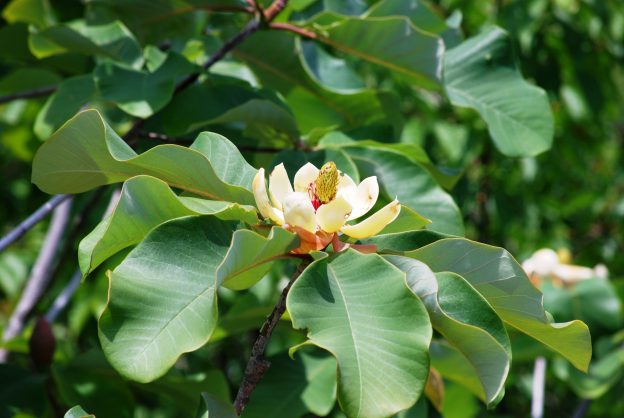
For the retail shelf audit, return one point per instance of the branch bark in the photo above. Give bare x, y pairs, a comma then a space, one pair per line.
29, 94
25, 226
257, 365
39, 276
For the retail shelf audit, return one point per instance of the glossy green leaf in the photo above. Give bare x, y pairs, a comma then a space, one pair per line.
146, 202
358, 308
390, 42
481, 73
330, 72
250, 256
408, 220
72, 94
465, 319
294, 387
495, 274
412, 185
162, 297
453, 365
141, 93
276, 58
264, 116
111, 40
86, 153
78, 412
404, 241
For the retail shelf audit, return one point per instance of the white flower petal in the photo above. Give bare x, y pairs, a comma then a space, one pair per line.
279, 185
262, 199
304, 176
347, 188
365, 197
375, 223
332, 216
298, 211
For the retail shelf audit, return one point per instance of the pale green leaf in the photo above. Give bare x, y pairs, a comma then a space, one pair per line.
481, 73
495, 274
465, 319
391, 42
146, 202
78, 412
359, 308
86, 153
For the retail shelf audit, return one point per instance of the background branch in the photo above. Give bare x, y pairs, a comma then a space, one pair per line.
19, 231
257, 365
29, 94
39, 276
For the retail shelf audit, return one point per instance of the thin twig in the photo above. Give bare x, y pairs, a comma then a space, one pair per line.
29, 94
295, 29
39, 276
257, 365
19, 231
539, 377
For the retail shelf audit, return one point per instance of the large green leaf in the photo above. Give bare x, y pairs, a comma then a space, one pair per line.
86, 153
37, 12
204, 104
141, 93
495, 274
397, 243
412, 184
454, 366
603, 374
358, 308
72, 94
391, 42
276, 58
146, 202
251, 254
111, 40
294, 387
481, 73
465, 319
162, 297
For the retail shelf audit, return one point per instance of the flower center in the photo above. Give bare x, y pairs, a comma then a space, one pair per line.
326, 183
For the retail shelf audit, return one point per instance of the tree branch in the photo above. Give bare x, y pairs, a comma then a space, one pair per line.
39, 276
295, 29
29, 94
257, 365
19, 231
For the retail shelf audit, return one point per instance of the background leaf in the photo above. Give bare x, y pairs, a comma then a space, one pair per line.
481, 73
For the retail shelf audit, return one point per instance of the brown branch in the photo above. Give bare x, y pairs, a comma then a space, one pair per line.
29, 94
257, 365
295, 29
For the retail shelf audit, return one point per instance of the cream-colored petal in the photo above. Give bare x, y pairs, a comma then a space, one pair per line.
332, 216
298, 211
304, 176
375, 223
347, 188
279, 185
262, 199
365, 197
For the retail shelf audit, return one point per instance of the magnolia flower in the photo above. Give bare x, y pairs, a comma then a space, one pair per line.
547, 262
321, 203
